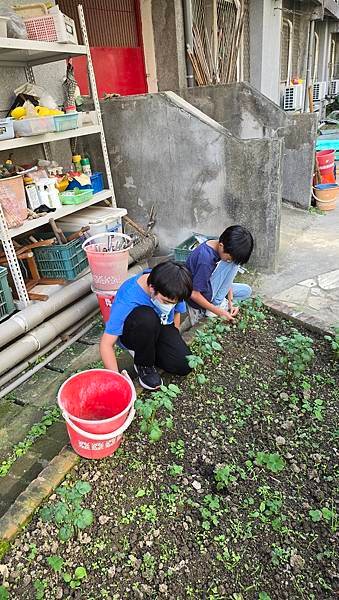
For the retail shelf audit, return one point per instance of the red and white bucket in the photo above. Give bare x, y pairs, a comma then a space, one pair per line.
98, 406
105, 301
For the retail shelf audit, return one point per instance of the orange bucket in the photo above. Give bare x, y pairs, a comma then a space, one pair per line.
326, 196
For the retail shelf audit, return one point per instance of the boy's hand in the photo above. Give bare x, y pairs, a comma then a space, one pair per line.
224, 314
233, 310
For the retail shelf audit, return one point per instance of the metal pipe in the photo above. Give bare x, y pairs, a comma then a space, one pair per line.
309, 64
290, 49
188, 28
43, 351
45, 362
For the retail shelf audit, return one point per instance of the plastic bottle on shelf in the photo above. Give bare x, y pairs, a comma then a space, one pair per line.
77, 166
86, 166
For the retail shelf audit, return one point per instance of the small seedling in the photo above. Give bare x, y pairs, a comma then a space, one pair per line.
297, 354
175, 470
68, 514
149, 410
76, 579
334, 341
251, 314
178, 448
224, 476
4, 595
210, 512
56, 563
272, 461
40, 586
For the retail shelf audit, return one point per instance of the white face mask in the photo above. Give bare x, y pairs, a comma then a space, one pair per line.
163, 309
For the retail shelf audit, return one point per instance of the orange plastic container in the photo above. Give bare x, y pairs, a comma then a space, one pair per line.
108, 268
98, 406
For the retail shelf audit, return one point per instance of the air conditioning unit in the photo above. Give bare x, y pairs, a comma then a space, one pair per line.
333, 87
319, 90
293, 97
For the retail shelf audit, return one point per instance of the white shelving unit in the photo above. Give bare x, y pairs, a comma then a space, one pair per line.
27, 54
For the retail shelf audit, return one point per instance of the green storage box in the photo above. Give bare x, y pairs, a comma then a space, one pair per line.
6, 300
62, 261
76, 196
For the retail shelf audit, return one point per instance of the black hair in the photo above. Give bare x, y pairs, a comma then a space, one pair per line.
238, 242
172, 280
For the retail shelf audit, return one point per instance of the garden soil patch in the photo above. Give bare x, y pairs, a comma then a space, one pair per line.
237, 501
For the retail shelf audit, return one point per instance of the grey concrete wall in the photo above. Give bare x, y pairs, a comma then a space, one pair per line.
265, 32
169, 44
248, 114
166, 153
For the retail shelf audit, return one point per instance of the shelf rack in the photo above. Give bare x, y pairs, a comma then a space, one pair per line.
28, 54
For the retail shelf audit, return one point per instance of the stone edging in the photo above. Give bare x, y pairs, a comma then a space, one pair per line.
297, 316
36, 492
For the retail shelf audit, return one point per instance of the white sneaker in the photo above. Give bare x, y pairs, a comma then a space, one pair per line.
223, 305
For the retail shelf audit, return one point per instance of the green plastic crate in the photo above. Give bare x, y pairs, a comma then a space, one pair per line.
76, 196
182, 252
6, 300
62, 261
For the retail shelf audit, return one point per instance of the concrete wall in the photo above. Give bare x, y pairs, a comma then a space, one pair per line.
265, 32
169, 44
248, 114
166, 153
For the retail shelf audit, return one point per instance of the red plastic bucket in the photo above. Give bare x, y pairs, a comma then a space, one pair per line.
105, 301
108, 267
90, 445
96, 402
325, 160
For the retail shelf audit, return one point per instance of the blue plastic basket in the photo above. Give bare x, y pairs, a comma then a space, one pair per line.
6, 300
62, 261
97, 183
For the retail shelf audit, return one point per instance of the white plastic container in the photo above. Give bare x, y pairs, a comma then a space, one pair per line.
100, 219
34, 126
6, 129
53, 27
3, 26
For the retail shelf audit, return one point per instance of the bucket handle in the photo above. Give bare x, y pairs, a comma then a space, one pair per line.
319, 199
101, 436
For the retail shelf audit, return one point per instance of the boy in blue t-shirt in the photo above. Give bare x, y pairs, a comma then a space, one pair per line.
213, 266
145, 319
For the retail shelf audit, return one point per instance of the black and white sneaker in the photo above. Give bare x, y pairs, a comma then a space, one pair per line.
149, 377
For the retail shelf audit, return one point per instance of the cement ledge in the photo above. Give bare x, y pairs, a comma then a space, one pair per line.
297, 316
32, 497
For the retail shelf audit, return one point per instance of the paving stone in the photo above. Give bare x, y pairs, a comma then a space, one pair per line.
310, 283
316, 302
39, 390
48, 447
10, 489
14, 431
58, 433
330, 280
67, 356
297, 295
27, 467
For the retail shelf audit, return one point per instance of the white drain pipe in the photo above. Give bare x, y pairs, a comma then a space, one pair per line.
35, 314
42, 336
